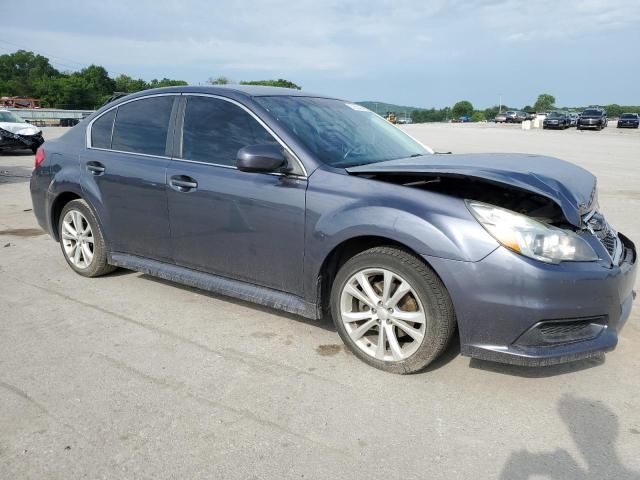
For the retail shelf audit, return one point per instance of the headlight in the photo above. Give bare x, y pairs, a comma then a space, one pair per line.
529, 237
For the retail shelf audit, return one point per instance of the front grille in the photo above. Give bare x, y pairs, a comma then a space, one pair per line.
608, 237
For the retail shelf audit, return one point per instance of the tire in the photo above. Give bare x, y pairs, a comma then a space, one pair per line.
427, 299
77, 259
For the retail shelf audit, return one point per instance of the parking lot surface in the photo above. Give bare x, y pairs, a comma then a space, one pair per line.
127, 376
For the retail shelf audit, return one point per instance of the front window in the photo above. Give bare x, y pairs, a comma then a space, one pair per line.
214, 130
592, 112
10, 117
629, 116
341, 134
556, 115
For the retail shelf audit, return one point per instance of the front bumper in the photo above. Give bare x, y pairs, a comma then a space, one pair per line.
14, 141
502, 301
593, 124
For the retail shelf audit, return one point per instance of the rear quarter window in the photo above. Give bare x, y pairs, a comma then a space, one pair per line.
101, 130
141, 126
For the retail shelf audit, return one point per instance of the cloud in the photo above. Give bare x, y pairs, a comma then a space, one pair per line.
404, 46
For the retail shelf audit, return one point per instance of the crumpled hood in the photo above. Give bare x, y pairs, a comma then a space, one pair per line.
571, 187
19, 128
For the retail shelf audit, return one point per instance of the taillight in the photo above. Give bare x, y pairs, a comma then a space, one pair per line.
39, 157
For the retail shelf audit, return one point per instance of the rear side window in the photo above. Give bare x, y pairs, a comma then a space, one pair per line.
101, 130
214, 130
141, 126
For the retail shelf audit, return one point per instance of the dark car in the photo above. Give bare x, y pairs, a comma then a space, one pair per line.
629, 120
557, 120
319, 207
595, 118
16, 134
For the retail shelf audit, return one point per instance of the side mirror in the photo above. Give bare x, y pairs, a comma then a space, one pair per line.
260, 158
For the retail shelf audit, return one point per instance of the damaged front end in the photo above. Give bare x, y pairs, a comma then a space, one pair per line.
555, 195
16, 141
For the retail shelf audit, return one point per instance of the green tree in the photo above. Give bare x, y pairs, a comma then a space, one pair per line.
218, 81
166, 82
282, 83
614, 110
544, 103
462, 108
125, 83
478, 117
22, 73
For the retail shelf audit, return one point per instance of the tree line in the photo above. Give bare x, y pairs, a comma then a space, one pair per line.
544, 103
26, 74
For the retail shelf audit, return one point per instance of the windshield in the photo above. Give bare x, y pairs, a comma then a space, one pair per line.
341, 134
592, 112
556, 115
629, 115
10, 117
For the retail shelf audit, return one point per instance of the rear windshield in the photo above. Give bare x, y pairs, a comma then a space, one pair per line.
340, 133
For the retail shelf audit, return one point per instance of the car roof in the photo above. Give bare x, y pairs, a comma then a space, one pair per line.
233, 90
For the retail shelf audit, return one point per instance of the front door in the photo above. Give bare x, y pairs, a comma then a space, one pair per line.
246, 226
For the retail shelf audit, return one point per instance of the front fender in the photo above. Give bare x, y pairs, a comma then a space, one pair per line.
342, 207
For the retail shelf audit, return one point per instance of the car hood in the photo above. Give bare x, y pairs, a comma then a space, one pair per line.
19, 128
571, 187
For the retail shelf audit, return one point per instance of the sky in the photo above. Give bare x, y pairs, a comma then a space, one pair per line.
428, 53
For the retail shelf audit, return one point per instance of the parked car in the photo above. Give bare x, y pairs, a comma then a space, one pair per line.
318, 206
515, 116
500, 118
16, 134
464, 119
629, 120
557, 120
593, 118
574, 117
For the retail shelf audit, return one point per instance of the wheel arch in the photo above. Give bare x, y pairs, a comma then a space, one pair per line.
345, 250
57, 205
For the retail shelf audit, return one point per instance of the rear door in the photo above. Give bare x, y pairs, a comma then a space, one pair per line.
124, 174
246, 226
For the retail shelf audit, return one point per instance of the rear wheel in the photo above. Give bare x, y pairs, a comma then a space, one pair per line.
81, 240
392, 310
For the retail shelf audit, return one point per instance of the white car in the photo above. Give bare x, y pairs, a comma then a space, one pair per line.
16, 134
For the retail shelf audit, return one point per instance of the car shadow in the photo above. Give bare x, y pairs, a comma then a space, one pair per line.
538, 372
594, 429
325, 323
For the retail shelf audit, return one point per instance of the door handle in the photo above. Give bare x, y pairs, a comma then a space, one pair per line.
183, 183
95, 168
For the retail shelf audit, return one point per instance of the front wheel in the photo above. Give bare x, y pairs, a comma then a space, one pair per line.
392, 310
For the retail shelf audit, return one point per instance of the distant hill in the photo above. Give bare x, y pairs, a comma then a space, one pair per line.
383, 108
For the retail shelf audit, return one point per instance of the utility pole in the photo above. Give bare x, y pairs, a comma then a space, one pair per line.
499, 103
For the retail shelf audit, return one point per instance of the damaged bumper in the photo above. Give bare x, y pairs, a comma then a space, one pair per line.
515, 310
15, 141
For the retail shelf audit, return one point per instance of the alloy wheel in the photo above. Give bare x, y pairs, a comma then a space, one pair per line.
77, 239
382, 314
